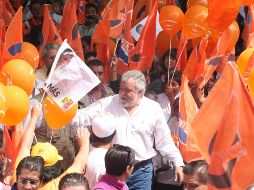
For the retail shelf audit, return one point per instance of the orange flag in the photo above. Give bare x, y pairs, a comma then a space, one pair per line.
112, 21
142, 56
13, 38
68, 27
49, 31
195, 65
188, 110
126, 45
223, 130
222, 13
141, 9
215, 58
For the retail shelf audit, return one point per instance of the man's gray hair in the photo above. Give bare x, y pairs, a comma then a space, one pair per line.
47, 47
139, 77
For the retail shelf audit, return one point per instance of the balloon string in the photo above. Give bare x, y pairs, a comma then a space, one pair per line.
51, 137
178, 61
169, 56
43, 95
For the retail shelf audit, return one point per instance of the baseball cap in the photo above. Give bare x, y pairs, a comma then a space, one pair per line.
48, 152
103, 124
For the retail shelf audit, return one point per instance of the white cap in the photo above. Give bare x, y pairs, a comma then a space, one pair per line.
103, 124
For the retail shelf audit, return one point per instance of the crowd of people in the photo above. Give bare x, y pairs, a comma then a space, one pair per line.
124, 133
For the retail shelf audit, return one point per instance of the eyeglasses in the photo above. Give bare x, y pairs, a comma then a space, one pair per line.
128, 91
24, 181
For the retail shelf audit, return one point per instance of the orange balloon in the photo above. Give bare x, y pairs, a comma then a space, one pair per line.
194, 23
3, 101
163, 43
30, 54
171, 19
191, 3
243, 60
18, 105
55, 116
251, 83
22, 74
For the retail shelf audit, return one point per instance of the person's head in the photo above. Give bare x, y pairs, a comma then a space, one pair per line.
139, 28
73, 181
90, 56
97, 67
195, 175
86, 43
57, 6
132, 88
91, 14
103, 128
49, 153
30, 173
36, 9
176, 81
165, 59
119, 161
65, 57
49, 54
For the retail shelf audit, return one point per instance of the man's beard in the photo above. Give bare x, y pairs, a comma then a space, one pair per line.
126, 103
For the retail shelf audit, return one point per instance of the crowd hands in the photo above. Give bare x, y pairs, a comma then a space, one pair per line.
90, 154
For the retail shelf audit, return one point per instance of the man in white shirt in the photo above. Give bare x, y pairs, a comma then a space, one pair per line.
102, 133
140, 125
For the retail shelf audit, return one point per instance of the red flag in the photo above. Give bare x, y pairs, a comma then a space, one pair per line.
68, 27
81, 11
9, 146
9, 7
223, 130
141, 9
222, 13
182, 53
142, 56
49, 31
188, 110
13, 38
5, 14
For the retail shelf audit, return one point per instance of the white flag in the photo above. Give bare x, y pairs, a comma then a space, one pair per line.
69, 79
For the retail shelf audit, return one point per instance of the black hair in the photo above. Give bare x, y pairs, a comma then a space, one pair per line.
35, 2
52, 172
32, 164
88, 5
90, 54
198, 168
118, 158
95, 62
105, 140
177, 76
73, 180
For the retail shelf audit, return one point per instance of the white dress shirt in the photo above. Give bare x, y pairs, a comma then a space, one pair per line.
95, 165
142, 130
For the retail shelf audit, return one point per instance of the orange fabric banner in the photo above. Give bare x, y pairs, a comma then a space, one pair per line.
13, 38
223, 130
68, 27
